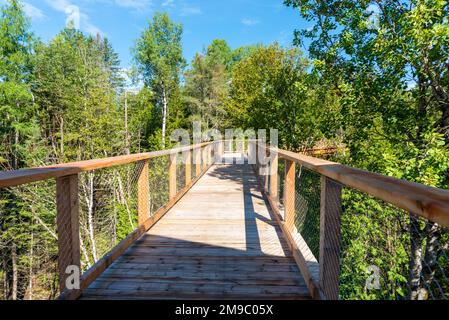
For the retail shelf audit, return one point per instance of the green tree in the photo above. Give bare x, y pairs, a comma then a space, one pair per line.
207, 84
388, 63
272, 86
158, 55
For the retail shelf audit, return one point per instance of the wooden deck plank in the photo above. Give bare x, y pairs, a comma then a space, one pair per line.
218, 242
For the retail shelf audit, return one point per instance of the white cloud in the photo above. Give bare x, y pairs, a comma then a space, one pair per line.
73, 12
135, 4
168, 3
32, 11
187, 10
250, 22
60, 5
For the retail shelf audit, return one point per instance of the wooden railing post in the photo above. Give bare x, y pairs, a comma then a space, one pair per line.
211, 152
330, 219
143, 193
172, 187
188, 162
67, 221
274, 174
289, 194
204, 157
198, 161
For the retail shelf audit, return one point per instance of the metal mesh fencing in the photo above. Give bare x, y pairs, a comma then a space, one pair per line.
281, 186
159, 183
28, 242
108, 209
307, 207
386, 253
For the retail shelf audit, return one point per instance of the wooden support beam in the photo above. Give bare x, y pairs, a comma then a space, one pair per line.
188, 166
289, 194
67, 221
143, 193
330, 220
172, 176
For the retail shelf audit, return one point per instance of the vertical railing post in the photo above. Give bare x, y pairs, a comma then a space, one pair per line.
289, 194
204, 157
143, 193
221, 151
330, 219
198, 161
67, 221
252, 152
188, 162
172, 176
218, 154
274, 163
266, 171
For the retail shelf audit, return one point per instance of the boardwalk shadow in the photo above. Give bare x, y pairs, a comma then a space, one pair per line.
244, 175
158, 267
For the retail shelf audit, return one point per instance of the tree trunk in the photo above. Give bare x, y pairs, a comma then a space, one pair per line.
89, 191
431, 253
62, 138
15, 164
5, 279
127, 144
164, 115
14, 271
30, 282
415, 262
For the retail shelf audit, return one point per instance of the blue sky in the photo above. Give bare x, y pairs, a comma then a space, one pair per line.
239, 22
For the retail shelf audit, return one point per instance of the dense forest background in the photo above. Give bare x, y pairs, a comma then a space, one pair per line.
375, 81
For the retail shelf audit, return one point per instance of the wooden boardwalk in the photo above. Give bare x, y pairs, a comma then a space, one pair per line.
218, 242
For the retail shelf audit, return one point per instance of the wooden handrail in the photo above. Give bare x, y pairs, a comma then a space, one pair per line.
24, 176
428, 202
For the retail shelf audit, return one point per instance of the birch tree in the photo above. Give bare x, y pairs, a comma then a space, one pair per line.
158, 55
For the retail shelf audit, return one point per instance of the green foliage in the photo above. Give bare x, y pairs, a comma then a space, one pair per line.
387, 63
272, 86
158, 56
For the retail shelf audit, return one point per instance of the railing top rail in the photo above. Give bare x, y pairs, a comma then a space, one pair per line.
428, 202
24, 176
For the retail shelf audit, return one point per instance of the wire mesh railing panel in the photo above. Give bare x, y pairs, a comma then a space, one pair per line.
108, 209
307, 207
386, 253
159, 183
281, 185
29, 242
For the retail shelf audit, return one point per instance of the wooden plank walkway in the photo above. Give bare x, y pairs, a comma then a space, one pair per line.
218, 242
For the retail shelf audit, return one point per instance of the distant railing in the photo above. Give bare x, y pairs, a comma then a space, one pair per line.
145, 186
357, 234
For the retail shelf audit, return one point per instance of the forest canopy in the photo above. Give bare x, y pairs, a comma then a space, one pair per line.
374, 81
